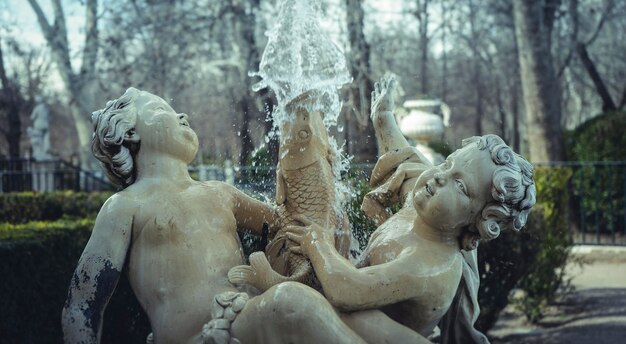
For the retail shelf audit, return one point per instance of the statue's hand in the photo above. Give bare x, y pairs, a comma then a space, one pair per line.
382, 97
305, 237
255, 274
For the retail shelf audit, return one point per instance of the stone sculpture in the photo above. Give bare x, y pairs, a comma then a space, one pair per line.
39, 132
304, 69
176, 239
413, 266
305, 185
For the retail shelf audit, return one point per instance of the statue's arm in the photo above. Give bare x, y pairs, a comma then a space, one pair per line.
97, 273
388, 134
349, 288
251, 214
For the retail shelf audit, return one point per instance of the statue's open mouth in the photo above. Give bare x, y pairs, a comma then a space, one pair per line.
184, 123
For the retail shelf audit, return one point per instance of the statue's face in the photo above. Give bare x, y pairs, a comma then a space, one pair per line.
450, 195
161, 129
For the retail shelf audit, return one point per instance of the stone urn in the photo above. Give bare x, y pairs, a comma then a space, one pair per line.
423, 121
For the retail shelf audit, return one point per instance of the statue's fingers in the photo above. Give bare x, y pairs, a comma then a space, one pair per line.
378, 89
241, 274
393, 83
295, 238
296, 250
297, 230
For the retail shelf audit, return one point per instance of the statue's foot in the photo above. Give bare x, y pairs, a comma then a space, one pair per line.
257, 274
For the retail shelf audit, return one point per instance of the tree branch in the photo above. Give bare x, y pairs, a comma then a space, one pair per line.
56, 36
573, 10
3, 73
90, 51
607, 101
622, 102
47, 30
600, 24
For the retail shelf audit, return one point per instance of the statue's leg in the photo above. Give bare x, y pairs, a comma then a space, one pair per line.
291, 313
374, 326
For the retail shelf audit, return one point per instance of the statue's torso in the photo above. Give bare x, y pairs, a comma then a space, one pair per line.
395, 239
184, 243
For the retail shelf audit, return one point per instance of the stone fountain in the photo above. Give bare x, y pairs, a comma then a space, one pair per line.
176, 238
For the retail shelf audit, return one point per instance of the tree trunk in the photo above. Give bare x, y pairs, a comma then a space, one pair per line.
422, 15
477, 77
10, 103
247, 146
272, 144
362, 86
251, 102
516, 120
81, 87
542, 96
444, 57
590, 67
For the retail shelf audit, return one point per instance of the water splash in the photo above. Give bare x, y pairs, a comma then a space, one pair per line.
300, 57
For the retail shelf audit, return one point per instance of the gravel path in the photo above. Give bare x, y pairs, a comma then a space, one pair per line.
595, 312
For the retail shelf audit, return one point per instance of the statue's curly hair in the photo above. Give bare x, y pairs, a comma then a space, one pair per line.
111, 126
513, 192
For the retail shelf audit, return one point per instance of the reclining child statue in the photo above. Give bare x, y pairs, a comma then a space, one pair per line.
176, 239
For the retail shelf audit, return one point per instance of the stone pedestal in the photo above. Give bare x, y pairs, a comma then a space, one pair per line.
43, 175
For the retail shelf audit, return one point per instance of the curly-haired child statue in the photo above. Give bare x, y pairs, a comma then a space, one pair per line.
419, 266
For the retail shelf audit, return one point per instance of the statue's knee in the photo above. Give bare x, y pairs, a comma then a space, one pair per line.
293, 299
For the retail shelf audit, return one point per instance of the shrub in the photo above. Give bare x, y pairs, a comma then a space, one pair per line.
37, 260
532, 259
550, 227
21, 207
599, 190
599, 139
361, 226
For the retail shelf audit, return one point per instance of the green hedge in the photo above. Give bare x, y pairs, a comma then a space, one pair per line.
21, 207
37, 260
599, 139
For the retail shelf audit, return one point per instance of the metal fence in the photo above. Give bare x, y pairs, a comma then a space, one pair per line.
597, 208
596, 190
50, 175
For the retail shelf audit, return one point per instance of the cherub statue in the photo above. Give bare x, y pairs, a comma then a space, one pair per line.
176, 239
422, 259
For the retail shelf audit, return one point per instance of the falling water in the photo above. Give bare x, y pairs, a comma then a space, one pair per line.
300, 57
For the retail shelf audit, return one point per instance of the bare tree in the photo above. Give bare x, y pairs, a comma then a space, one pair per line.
11, 104
362, 86
251, 104
422, 15
534, 21
81, 87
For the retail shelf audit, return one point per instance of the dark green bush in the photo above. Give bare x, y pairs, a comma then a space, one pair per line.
21, 207
599, 196
534, 258
362, 226
37, 260
552, 238
599, 139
